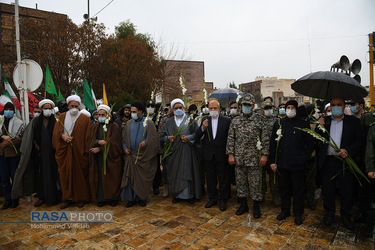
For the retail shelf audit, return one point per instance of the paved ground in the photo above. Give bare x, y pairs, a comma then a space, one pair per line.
162, 224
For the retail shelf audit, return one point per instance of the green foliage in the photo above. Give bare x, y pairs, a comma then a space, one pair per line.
232, 85
258, 97
127, 28
120, 100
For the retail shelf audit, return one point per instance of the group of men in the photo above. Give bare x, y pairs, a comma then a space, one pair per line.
74, 160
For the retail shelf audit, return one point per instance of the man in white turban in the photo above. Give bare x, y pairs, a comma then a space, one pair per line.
70, 138
184, 180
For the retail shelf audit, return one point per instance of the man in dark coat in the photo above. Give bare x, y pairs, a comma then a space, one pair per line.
294, 150
215, 131
347, 133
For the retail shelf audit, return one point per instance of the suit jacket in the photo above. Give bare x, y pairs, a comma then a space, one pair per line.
214, 147
352, 138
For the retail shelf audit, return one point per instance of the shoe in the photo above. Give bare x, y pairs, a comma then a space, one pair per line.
7, 205
210, 203
101, 204
256, 210
65, 204
166, 190
276, 200
311, 205
328, 220
80, 205
39, 203
14, 204
283, 215
243, 208
142, 203
156, 191
347, 223
130, 204
175, 200
113, 203
298, 219
191, 201
223, 205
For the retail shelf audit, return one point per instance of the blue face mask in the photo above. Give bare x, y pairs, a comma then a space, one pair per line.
101, 119
134, 116
336, 111
246, 109
8, 113
354, 109
178, 112
282, 111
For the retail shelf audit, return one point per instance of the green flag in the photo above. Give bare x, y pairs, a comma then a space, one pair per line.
50, 86
77, 91
60, 96
87, 96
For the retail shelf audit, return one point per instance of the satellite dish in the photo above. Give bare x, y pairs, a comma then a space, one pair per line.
34, 75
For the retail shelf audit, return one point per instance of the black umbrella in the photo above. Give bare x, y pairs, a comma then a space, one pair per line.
327, 84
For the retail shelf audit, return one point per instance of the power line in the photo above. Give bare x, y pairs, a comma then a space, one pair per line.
103, 8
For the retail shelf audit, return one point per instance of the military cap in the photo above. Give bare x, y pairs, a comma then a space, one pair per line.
248, 99
266, 104
150, 103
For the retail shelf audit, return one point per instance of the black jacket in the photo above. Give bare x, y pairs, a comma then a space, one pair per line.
295, 146
352, 138
215, 146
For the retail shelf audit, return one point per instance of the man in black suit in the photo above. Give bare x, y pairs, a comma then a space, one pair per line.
347, 133
215, 131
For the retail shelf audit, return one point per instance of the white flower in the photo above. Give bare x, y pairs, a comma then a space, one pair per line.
157, 118
316, 136
320, 126
184, 91
188, 120
205, 96
279, 135
259, 145
238, 97
316, 115
107, 121
152, 95
145, 122
181, 81
105, 128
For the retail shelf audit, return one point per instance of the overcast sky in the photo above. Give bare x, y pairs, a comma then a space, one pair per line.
241, 39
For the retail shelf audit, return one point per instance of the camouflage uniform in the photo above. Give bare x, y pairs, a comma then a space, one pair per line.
242, 139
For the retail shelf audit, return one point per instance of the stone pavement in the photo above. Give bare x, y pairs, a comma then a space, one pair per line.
163, 225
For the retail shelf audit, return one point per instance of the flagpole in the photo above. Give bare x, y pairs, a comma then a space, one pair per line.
21, 71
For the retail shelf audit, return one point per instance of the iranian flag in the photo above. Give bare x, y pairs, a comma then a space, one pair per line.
13, 96
4, 99
93, 96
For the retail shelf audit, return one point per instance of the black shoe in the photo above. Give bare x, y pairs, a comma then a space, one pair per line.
113, 203
142, 203
223, 205
156, 191
311, 205
14, 204
175, 200
347, 223
39, 203
283, 215
328, 220
100, 204
7, 205
298, 219
243, 208
256, 210
130, 204
210, 203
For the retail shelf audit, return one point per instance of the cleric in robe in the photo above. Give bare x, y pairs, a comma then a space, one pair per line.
182, 165
105, 186
38, 168
70, 141
140, 165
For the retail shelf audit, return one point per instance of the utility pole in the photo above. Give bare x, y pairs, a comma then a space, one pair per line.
371, 46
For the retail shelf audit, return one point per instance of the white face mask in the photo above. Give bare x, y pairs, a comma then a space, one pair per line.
329, 113
150, 111
214, 114
268, 112
73, 111
233, 112
47, 112
291, 113
36, 115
